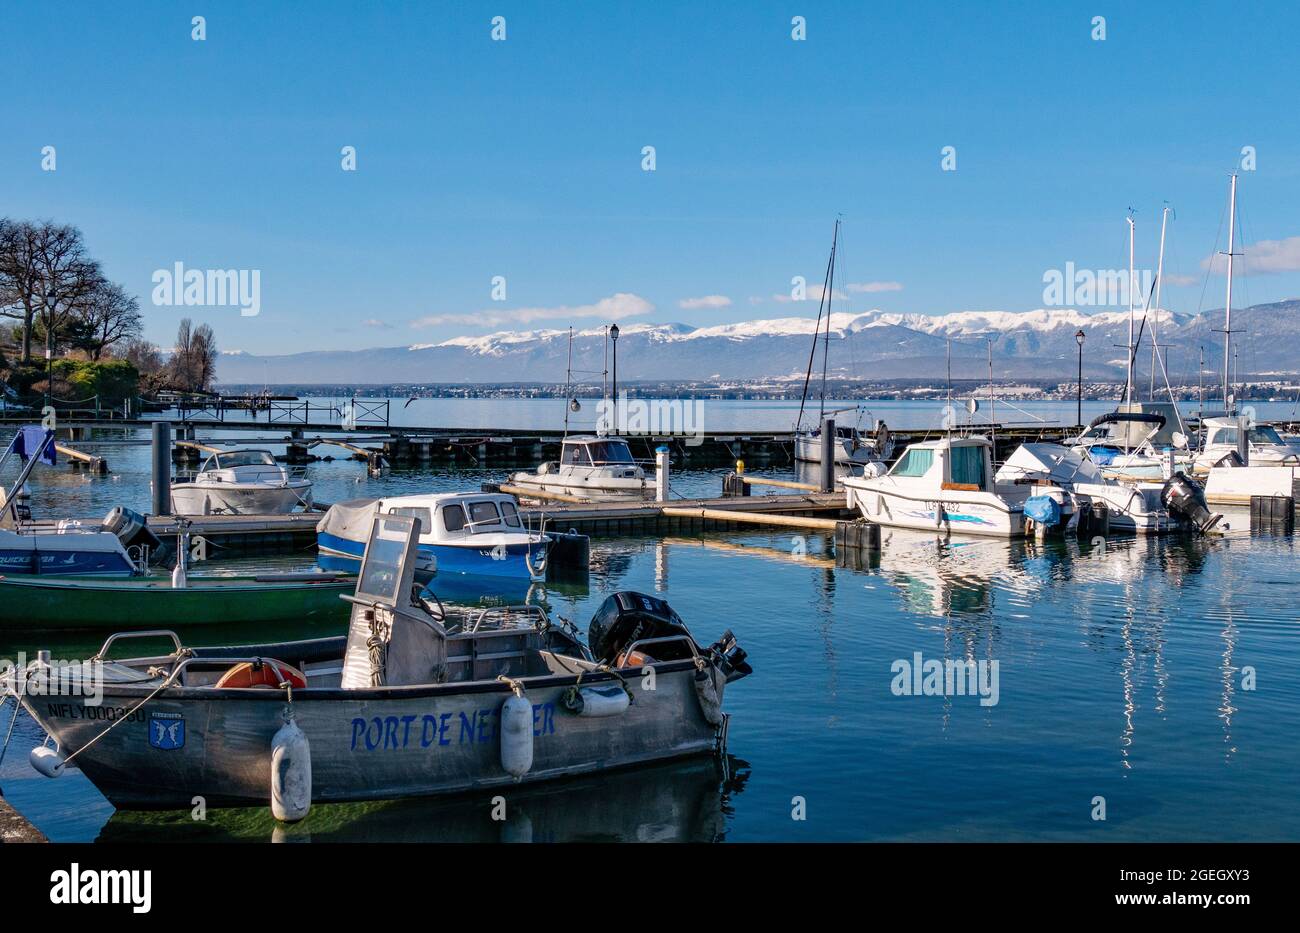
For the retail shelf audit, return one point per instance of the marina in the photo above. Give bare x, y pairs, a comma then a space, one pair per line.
776, 529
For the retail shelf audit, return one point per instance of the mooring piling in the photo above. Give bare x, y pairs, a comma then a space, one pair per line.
161, 503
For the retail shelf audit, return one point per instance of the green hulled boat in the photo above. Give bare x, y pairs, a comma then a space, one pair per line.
44, 603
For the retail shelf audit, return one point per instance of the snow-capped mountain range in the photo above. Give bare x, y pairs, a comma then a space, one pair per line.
869, 345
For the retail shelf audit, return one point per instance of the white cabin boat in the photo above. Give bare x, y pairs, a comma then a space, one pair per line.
242, 482
945, 485
596, 468
1136, 506
1264, 447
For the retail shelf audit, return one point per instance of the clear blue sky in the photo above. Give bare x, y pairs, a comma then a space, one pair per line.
523, 158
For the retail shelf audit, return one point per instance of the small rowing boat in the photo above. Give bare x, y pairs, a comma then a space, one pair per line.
46, 603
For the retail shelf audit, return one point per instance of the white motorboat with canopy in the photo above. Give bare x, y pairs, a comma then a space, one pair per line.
591, 467
242, 482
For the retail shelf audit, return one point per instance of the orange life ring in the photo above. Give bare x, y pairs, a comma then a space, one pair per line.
270, 673
633, 659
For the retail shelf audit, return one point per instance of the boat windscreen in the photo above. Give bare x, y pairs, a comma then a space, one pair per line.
382, 566
238, 458
610, 452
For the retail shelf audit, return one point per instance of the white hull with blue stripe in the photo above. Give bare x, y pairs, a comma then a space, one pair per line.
462, 534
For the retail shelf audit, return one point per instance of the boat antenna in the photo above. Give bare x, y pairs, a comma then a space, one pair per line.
950, 413
812, 352
993, 422
568, 384
1228, 401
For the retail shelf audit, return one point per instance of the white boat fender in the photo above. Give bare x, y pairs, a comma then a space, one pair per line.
516, 730
708, 690
47, 761
290, 771
610, 699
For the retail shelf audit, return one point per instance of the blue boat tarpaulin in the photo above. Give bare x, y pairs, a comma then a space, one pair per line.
30, 439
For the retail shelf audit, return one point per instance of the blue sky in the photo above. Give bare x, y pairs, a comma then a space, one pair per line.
523, 158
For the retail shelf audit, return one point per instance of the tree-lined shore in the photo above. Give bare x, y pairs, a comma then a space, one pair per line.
77, 333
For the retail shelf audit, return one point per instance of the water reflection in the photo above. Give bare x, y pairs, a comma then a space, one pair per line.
686, 801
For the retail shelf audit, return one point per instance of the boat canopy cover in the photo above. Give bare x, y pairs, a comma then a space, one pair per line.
1046, 462
1120, 417
350, 520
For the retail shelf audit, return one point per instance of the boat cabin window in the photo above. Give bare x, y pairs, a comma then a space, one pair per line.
484, 513
1265, 435
915, 462
453, 517
610, 452
422, 519
238, 458
575, 455
967, 465
510, 513
1224, 436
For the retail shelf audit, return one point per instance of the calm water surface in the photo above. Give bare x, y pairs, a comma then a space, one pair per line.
1123, 672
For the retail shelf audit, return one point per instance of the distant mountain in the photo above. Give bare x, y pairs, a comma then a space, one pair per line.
871, 345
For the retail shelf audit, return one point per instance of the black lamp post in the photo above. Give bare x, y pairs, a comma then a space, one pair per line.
1079, 338
613, 335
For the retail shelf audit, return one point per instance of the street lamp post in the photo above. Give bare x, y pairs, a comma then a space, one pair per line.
1079, 338
613, 335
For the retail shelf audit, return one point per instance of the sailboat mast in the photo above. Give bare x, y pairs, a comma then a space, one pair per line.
1128, 378
1160, 278
812, 351
1227, 304
826, 341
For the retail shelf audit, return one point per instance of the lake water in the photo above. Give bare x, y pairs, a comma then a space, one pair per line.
1159, 675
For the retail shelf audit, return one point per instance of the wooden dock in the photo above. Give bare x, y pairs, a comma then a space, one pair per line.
247, 535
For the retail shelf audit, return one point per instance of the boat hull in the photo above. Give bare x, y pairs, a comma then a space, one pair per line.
45, 604
597, 489
239, 498
374, 744
808, 449
976, 514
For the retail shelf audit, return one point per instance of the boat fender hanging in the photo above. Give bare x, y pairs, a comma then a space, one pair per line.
593, 702
516, 730
290, 771
708, 690
47, 761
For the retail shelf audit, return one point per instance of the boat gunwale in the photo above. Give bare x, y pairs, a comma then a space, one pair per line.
402, 692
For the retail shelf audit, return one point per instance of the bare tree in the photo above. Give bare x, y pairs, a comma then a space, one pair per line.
65, 276
104, 317
194, 360
19, 279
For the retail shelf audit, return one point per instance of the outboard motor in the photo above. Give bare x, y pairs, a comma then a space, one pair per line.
130, 528
627, 617
1184, 497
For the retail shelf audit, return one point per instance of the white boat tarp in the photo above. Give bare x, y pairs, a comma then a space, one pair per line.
350, 520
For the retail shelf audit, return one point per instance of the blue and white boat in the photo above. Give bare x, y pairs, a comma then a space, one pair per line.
462, 533
69, 548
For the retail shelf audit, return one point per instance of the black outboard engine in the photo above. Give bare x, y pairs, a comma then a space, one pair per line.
625, 618
1184, 497
130, 528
